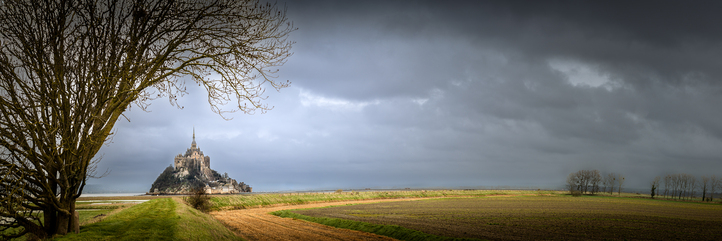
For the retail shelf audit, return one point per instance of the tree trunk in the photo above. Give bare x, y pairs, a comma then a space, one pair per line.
50, 220
74, 219
58, 222
49, 214
65, 220
36, 232
63, 223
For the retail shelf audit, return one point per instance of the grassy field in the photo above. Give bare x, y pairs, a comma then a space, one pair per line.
462, 214
91, 212
529, 217
110, 198
264, 200
157, 219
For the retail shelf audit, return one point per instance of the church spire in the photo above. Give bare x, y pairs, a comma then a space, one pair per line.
193, 144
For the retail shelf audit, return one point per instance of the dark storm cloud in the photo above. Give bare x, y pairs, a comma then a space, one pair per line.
479, 93
668, 39
662, 54
394, 49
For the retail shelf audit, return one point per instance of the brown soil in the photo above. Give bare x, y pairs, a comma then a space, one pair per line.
258, 224
542, 218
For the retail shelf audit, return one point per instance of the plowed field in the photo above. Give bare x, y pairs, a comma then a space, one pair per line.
542, 218
258, 224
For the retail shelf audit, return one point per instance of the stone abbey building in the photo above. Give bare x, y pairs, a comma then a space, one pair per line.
193, 159
192, 171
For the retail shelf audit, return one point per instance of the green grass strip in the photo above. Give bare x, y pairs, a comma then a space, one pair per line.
196, 225
261, 200
152, 220
392, 231
157, 219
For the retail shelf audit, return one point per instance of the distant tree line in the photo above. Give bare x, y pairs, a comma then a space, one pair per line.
686, 186
675, 186
592, 181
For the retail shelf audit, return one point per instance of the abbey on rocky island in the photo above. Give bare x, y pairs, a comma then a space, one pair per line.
193, 160
192, 171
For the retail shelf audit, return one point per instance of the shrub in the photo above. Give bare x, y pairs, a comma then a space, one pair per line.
199, 200
576, 193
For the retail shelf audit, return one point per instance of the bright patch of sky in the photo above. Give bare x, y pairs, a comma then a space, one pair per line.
581, 74
337, 104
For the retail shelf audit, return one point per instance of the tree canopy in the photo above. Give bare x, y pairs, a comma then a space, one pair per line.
70, 69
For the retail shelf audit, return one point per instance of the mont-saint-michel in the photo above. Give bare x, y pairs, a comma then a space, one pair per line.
192, 171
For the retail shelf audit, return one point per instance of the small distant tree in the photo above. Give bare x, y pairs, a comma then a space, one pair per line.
714, 183
620, 180
572, 183
704, 185
683, 185
199, 200
594, 179
612, 180
655, 184
677, 186
667, 183
584, 181
691, 187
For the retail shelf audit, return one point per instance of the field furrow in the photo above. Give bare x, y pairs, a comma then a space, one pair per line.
258, 224
539, 218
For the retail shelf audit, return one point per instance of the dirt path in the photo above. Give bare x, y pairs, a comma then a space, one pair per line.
258, 224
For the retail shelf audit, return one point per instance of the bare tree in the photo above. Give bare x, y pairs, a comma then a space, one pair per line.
677, 190
620, 180
684, 185
687, 186
704, 185
692, 186
612, 180
672, 185
584, 181
714, 183
573, 182
594, 179
667, 184
655, 186
70, 69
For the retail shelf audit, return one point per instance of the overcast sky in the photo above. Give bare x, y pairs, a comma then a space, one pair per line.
462, 94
